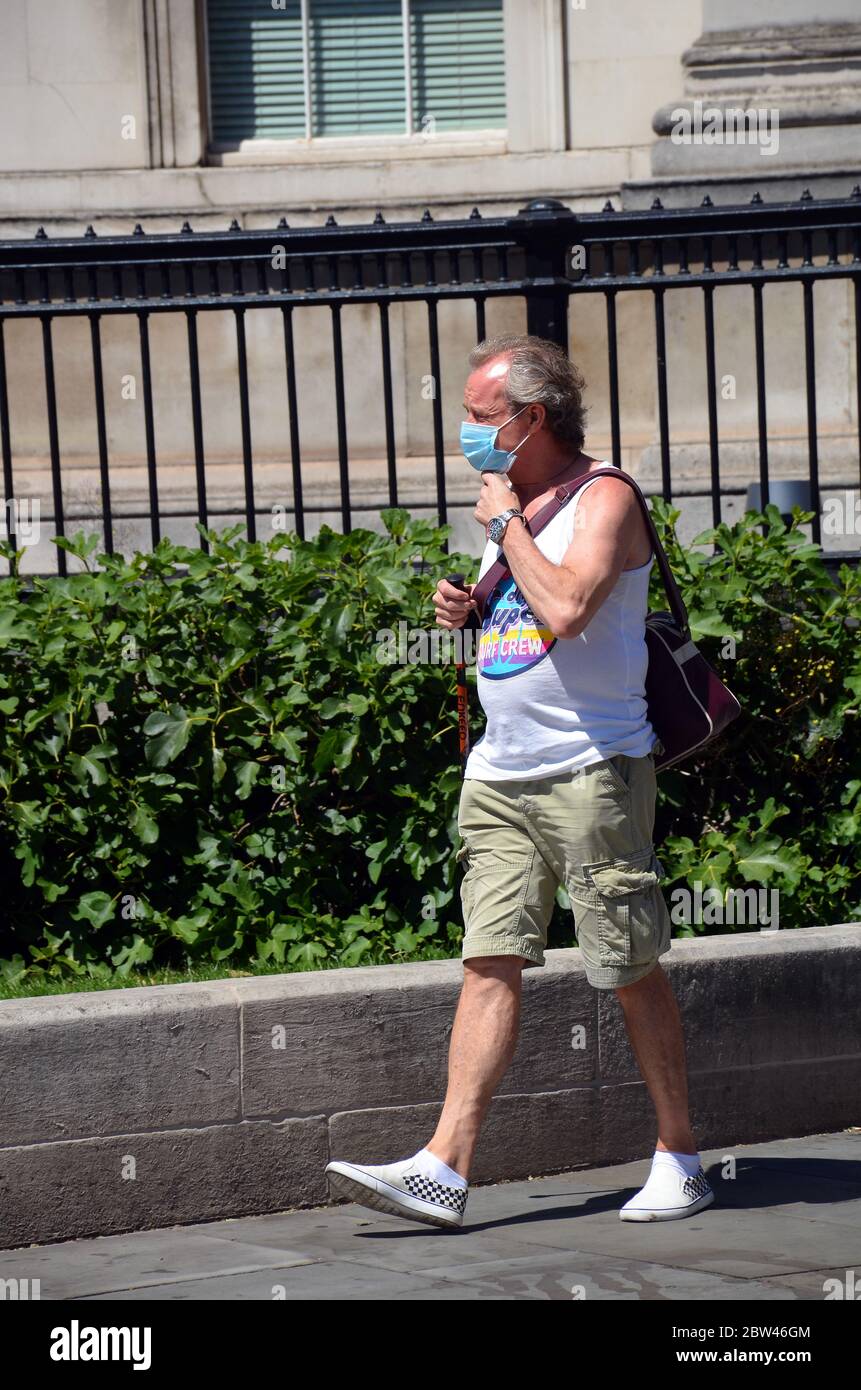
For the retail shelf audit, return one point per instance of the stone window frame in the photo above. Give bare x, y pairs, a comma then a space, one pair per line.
174, 34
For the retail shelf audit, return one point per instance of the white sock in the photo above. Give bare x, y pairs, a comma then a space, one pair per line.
433, 1167
686, 1164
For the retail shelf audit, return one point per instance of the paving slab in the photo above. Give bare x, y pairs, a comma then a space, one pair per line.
787, 1221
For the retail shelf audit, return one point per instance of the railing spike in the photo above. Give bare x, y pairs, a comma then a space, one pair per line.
138, 231
608, 207
234, 226
806, 197
706, 202
330, 220
283, 225
757, 198
41, 234
657, 205
186, 228
474, 214
379, 217
90, 232
426, 215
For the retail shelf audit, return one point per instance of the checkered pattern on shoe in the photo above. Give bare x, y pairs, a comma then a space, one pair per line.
429, 1190
697, 1186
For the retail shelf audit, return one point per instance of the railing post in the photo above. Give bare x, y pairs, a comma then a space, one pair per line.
546, 228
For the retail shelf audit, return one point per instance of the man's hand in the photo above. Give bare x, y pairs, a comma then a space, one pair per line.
496, 496
453, 606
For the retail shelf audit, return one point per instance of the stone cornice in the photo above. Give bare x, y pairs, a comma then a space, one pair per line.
790, 43
809, 73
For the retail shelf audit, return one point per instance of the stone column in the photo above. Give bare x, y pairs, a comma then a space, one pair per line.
175, 94
771, 90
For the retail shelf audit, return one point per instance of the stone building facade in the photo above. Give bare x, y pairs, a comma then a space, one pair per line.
108, 118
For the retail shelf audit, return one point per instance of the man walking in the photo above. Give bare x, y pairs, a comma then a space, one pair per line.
560, 789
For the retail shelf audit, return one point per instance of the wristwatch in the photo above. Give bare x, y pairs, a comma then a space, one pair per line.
495, 528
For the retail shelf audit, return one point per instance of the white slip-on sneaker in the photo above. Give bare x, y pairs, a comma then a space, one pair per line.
668, 1195
400, 1189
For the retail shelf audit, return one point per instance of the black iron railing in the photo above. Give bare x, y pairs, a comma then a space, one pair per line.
528, 254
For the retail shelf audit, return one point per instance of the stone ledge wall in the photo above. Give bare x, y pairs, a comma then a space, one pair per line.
150, 1107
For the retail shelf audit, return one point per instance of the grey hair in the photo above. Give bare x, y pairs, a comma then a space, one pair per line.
541, 373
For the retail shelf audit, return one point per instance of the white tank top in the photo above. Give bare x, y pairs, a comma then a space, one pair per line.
555, 703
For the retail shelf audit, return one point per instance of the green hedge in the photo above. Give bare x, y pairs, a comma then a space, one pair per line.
202, 757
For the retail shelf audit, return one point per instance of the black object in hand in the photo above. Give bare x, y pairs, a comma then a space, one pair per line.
457, 581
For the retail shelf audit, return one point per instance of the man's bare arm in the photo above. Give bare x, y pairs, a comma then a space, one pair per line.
568, 595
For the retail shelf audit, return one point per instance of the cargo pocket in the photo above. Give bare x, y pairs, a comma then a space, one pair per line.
495, 891
633, 921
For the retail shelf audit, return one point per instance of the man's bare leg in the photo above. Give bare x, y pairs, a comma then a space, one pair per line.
655, 1031
483, 1041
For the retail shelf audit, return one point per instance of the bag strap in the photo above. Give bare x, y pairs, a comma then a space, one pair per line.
500, 569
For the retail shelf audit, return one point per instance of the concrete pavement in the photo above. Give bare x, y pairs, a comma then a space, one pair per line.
787, 1221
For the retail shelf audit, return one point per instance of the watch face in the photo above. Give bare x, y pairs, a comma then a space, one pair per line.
497, 524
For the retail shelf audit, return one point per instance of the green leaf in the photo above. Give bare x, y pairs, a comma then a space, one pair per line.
11, 629
769, 858
96, 908
246, 775
306, 954
92, 762
143, 825
711, 625
327, 750
219, 766
353, 954
345, 621
168, 735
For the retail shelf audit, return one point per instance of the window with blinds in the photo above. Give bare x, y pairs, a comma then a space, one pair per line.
342, 67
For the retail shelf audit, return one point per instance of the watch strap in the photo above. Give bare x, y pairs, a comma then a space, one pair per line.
508, 515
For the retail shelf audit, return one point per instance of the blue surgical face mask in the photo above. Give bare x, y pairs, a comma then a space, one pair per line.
478, 443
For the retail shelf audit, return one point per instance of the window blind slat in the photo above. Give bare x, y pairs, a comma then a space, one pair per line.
356, 64
458, 65
256, 80
357, 74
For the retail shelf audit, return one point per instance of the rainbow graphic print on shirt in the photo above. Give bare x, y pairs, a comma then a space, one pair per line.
512, 638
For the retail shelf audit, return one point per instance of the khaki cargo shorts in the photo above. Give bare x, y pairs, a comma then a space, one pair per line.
589, 829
